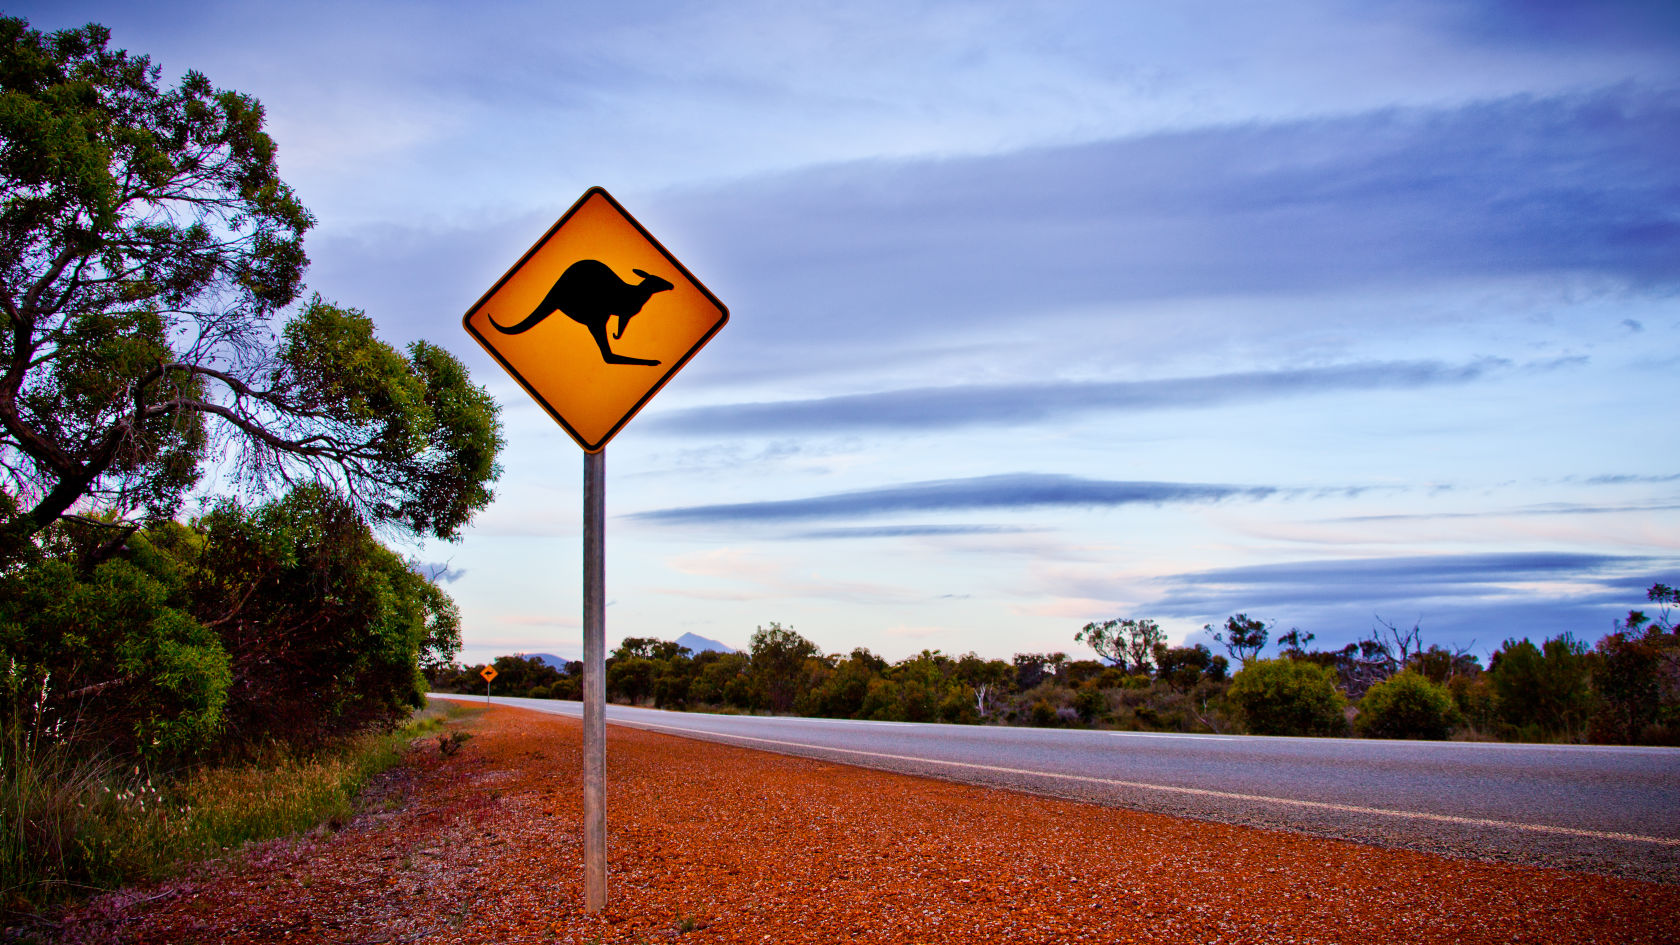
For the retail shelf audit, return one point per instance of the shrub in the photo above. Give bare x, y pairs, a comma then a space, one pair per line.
116, 649
71, 823
1407, 705
1090, 703
1043, 714
883, 701
1628, 677
1288, 697
959, 706
1542, 691
325, 628
1474, 700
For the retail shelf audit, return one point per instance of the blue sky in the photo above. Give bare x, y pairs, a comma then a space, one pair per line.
1041, 313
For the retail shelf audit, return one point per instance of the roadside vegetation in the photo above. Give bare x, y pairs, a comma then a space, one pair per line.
173, 684
77, 822
1623, 690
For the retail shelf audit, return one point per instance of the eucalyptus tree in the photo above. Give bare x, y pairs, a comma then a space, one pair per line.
149, 256
1127, 643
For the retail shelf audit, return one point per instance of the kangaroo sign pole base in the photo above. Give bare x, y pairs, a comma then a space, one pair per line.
594, 682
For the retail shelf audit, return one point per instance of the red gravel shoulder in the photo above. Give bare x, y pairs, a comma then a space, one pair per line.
712, 843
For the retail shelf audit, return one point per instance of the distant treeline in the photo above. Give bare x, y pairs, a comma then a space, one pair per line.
1623, 690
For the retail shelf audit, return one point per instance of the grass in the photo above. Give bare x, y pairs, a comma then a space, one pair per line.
72, 824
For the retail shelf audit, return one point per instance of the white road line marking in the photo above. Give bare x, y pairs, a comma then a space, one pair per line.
1195, 792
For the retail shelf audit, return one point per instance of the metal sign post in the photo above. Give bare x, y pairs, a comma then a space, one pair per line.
594, 681
557, 322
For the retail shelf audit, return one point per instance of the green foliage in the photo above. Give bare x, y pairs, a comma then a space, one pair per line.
325, 627
1183, 666
649, 648
1288, 697
1627, 678
632, 678
959, 707
1543, 692
1406, 705
147, 243
924, 684
116, 650
1407, 690
70, 821
1032, 669
1636, 674
725, 679
778, 662
1474, 699
841, 693
883, 701
48, 794
1090, 703
1243, 637
424, 437
644, 666
283, 622
1128, 643
515, 675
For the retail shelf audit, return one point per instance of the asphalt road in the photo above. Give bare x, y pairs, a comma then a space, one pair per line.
1604, 809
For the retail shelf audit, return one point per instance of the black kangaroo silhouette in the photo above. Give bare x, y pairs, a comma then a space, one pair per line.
589, 292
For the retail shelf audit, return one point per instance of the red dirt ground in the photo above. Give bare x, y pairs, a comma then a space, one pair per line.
710, 843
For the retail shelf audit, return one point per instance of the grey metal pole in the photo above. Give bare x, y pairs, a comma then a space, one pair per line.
594, 682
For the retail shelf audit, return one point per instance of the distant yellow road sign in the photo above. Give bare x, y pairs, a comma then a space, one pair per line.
547, 321
489, 673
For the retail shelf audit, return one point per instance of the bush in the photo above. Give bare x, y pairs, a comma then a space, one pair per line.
70, 823
1629, 680
1090, 703
1474, 700
1543, 691
115, 649
1288, 697
959, 707
287, 622
1407, 705
325, 628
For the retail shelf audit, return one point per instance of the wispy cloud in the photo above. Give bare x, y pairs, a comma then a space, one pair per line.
1618, 479
1474, 596
1009, 491
880, 255
1558, 509
956, 406
1376, 575
912, 531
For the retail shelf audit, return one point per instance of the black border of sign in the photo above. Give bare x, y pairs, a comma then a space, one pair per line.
723, 311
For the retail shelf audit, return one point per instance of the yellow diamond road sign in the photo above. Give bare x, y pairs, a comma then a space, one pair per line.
489, 673
595, 318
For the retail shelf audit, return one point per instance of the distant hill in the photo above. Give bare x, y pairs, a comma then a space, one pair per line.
549, 659
700, 644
